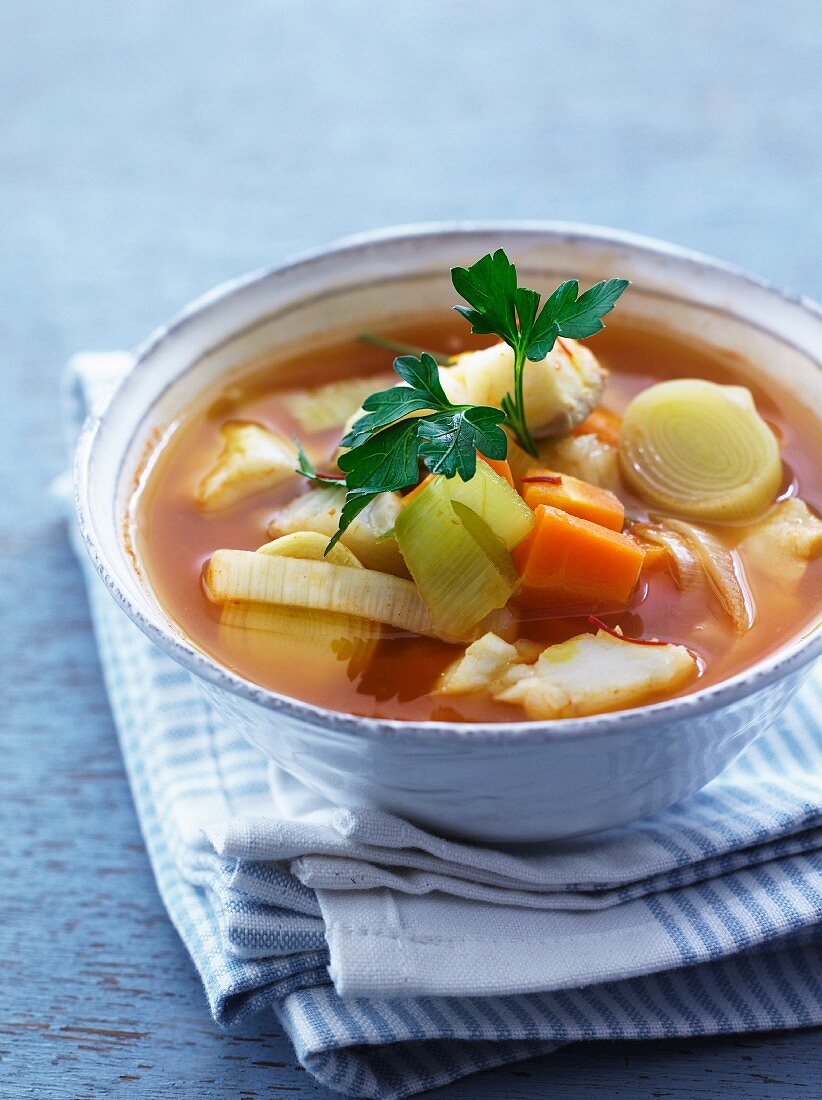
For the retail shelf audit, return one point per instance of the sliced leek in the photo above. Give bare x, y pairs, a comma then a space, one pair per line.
252, 459
310, 546
495, 502
700, 450
462, 571
253, 630
243, 575
683, 559
252, 626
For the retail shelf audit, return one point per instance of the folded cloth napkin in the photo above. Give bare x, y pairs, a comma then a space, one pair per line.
397, 960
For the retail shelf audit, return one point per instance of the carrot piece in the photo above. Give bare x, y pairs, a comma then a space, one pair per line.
656, 556
602, 423
567, 560
500, 466
570, 494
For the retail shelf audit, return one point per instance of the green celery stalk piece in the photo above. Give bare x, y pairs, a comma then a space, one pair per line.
489, 543
495, 502
462, 570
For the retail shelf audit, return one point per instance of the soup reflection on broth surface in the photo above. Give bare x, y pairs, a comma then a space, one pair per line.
356, 665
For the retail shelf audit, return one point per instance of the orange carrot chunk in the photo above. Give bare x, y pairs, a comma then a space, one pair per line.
567, 560
602, 423
656, 557
579, 498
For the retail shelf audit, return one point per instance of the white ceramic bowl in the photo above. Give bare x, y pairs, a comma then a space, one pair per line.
523, 782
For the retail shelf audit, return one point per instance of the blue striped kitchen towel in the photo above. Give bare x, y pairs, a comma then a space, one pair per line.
442, 959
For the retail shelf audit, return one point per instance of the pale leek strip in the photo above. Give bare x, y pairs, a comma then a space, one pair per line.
343, 637
252, 459
700, 450
722, 568
253, 630
310, 546
492, 546
330, 405
462, 574
266, 579
495, 502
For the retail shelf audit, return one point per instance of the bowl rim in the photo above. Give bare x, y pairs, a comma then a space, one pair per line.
792, 657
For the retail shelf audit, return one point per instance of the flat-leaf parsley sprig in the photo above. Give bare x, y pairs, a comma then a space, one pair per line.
497, 305
403, 426
415, 423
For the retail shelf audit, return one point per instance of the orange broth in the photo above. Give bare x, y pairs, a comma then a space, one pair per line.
174, 539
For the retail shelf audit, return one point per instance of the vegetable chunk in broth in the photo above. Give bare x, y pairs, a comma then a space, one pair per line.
497, 550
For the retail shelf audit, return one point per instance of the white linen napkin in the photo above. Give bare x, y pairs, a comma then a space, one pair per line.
713, 905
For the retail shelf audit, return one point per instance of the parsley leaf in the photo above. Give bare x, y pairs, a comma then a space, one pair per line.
490, 288
422, 375
422, 392
386, 461
450, 441
498, 305
381, 463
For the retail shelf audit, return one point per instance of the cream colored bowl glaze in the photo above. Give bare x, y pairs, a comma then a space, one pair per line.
520, 782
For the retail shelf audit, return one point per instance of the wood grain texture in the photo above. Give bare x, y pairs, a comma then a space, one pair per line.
150, 150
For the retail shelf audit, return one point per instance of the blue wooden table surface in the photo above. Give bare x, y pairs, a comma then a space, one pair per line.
149, 150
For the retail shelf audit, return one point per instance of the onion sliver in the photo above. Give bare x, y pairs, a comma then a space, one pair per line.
723, 570
700, 450
682, 557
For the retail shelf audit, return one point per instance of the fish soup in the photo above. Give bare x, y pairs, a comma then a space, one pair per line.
627, 561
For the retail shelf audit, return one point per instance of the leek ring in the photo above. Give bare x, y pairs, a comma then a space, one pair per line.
700, 450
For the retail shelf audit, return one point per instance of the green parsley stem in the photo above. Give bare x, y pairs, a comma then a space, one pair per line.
520, 426
402, 349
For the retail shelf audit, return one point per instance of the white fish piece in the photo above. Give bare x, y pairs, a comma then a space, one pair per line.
559, 391
785, 541
480, 667
252, 459
593, 673
369, 536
